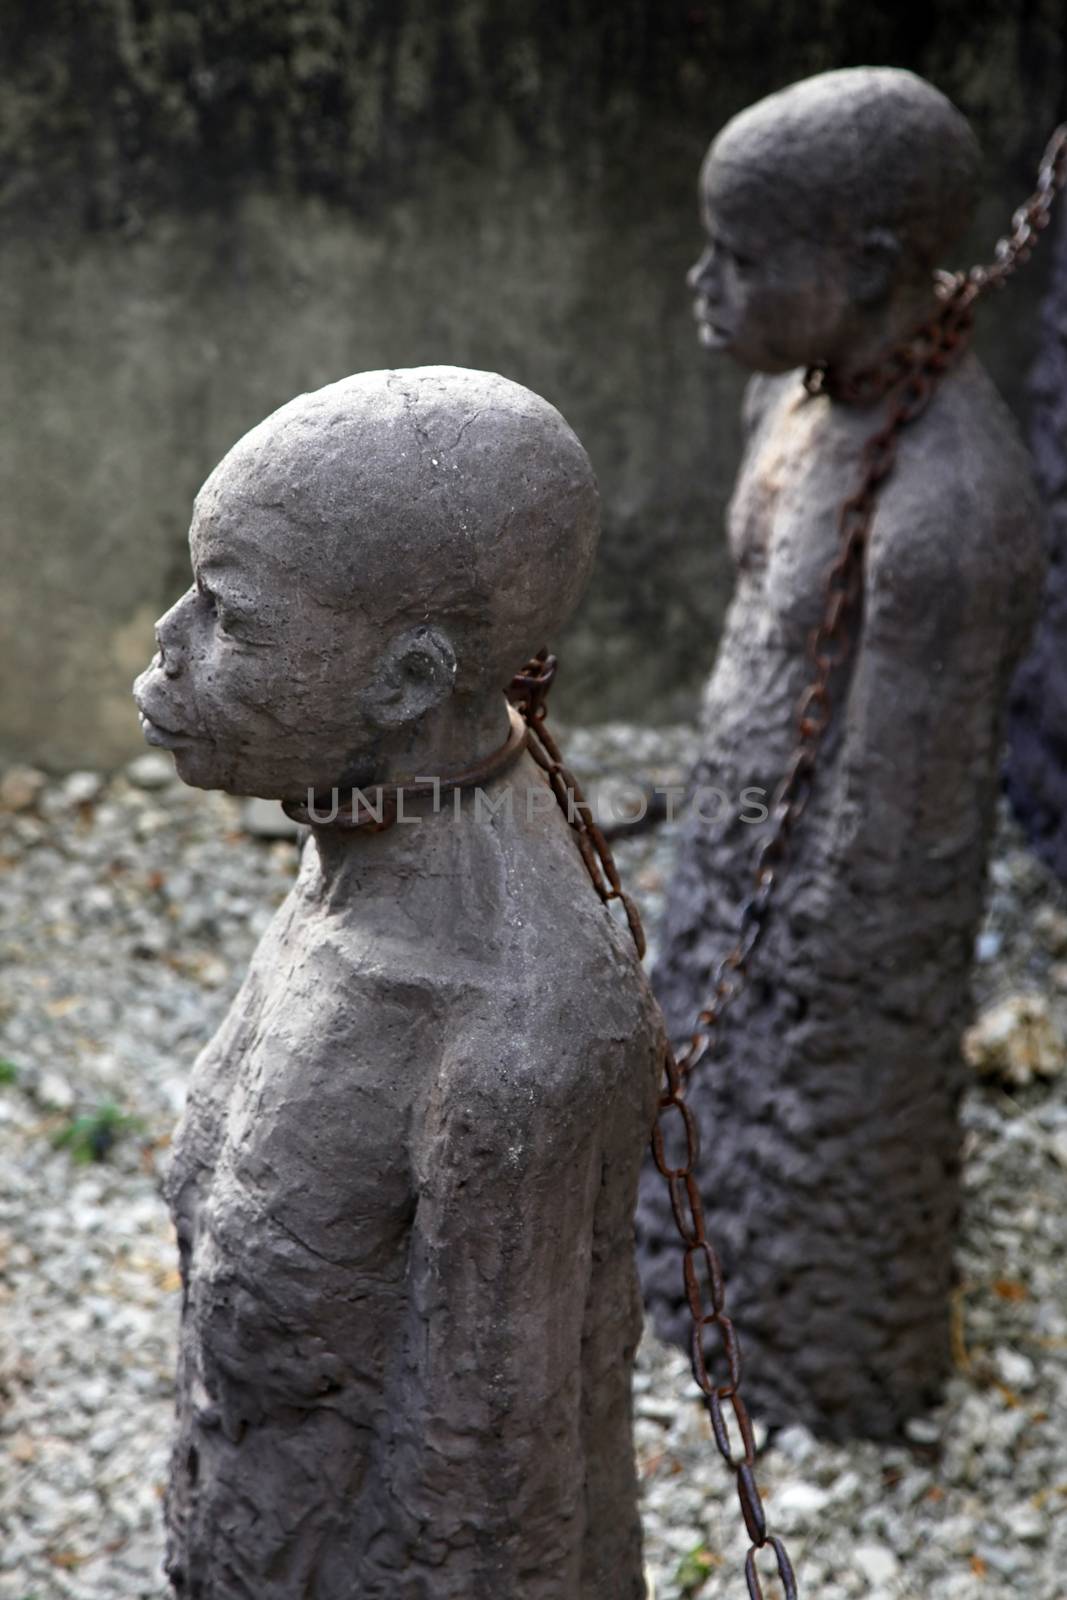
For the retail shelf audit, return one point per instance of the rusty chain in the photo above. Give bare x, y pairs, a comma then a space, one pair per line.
701, 1268
910, 371
527, 692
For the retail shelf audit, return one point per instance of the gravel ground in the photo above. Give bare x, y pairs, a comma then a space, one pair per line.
128, 911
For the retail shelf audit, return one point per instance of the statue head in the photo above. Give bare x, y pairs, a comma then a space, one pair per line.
371, 565
827, 206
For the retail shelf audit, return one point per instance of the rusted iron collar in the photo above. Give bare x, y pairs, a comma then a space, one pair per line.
376, 808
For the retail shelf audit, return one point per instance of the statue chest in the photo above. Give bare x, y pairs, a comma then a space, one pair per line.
302, 1109
801, 464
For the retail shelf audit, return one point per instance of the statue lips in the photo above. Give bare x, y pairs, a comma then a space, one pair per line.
155, 732
713, 337
711, 334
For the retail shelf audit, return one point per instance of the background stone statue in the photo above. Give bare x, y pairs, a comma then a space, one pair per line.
829, 1116
404, 1182
1037, 756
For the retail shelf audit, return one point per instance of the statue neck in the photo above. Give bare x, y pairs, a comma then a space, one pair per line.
457, 736
422, 797
434, 841
910, 309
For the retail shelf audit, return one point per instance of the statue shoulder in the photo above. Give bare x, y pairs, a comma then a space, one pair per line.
960, 521
539, 1051
965, 468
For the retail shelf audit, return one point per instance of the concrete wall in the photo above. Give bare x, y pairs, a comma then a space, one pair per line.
133, 365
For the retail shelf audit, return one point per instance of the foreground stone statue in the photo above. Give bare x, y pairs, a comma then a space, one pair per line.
829, 1115
405, 1178
1037, 752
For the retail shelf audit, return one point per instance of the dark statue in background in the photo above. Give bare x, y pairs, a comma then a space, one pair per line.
1037, 752
829, 1112
405, 1179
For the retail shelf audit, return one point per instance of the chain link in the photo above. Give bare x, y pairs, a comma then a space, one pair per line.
527, 692
716, 1370
911, 372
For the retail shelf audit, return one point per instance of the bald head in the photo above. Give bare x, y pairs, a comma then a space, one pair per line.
431, 494
861, 148
372, 565
827, 208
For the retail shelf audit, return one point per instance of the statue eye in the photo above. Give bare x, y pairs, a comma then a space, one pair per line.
720, 247
226, 620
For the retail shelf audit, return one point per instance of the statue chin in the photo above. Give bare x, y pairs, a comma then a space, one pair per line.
197, 763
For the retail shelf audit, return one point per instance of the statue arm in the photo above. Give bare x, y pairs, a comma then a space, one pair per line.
490, 1466
949, 596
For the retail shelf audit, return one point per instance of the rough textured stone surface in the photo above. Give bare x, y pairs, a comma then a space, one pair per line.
1037, 754
829, 1115
404, 1181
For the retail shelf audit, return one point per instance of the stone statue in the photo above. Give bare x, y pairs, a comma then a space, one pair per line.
404, 1182
829, 1115
1037, 754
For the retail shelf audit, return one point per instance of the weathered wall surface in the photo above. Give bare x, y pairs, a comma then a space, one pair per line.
133, 365
203, 214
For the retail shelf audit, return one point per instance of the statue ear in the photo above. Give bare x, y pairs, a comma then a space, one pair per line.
874, 266
415, 673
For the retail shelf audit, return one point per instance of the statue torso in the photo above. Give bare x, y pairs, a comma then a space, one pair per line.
958, 514
962, 460
330, 1107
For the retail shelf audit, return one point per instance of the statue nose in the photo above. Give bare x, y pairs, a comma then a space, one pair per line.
701, 274
169, 653
167, 657
171, 630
